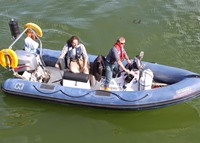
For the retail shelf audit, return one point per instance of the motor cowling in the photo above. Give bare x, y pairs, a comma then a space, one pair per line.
26, 61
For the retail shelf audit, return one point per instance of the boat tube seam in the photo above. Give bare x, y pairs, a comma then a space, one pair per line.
193, 76
118, 96
113, 106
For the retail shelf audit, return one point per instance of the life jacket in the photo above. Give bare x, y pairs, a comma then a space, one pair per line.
120, 50
70, 56
74, 56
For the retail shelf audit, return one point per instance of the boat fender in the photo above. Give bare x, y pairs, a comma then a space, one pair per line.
14, 28
8, 58
34, 27
75, 76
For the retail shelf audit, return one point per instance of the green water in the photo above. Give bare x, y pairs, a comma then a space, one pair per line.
167, 31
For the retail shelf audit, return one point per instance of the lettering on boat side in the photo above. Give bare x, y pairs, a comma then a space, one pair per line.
102, 93
48, 87
19, 86
183, 92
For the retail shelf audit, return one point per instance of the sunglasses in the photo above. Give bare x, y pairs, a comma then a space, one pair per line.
122, 43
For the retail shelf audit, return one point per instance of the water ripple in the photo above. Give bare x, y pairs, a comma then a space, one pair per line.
15, 117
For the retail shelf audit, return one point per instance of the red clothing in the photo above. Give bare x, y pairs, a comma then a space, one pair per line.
120, 50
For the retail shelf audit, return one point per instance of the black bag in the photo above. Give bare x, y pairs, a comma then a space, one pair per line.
99, 67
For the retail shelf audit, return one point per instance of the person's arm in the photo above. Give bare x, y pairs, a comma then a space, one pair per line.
85, 64
118, 60
126, 57
122, 66
85, 56
62, 55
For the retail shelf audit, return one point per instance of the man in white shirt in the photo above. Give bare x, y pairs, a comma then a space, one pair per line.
30, 45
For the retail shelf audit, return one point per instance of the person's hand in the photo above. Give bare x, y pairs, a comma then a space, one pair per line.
129, 61
56, 65
85, 68
127, 71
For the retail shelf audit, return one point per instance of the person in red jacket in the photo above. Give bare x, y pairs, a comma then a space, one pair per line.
116, 55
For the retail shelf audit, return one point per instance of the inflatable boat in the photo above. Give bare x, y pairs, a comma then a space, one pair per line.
150, 85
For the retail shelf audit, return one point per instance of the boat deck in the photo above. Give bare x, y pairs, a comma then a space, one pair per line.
56, 75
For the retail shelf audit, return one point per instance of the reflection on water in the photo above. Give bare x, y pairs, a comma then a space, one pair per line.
34, 119
144, 121
24, 112
14, 117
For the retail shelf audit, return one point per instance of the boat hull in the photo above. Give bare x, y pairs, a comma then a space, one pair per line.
139, 100
182, 85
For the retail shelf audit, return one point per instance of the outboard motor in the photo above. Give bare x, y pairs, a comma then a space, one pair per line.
14, 28
26, 61
30, 69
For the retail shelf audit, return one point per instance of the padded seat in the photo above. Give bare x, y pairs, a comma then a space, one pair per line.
81, 77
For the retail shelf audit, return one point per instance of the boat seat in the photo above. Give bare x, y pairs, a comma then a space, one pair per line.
81, 77
76, 80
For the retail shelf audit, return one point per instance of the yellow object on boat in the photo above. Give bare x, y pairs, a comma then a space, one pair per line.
34, 27
8, 58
